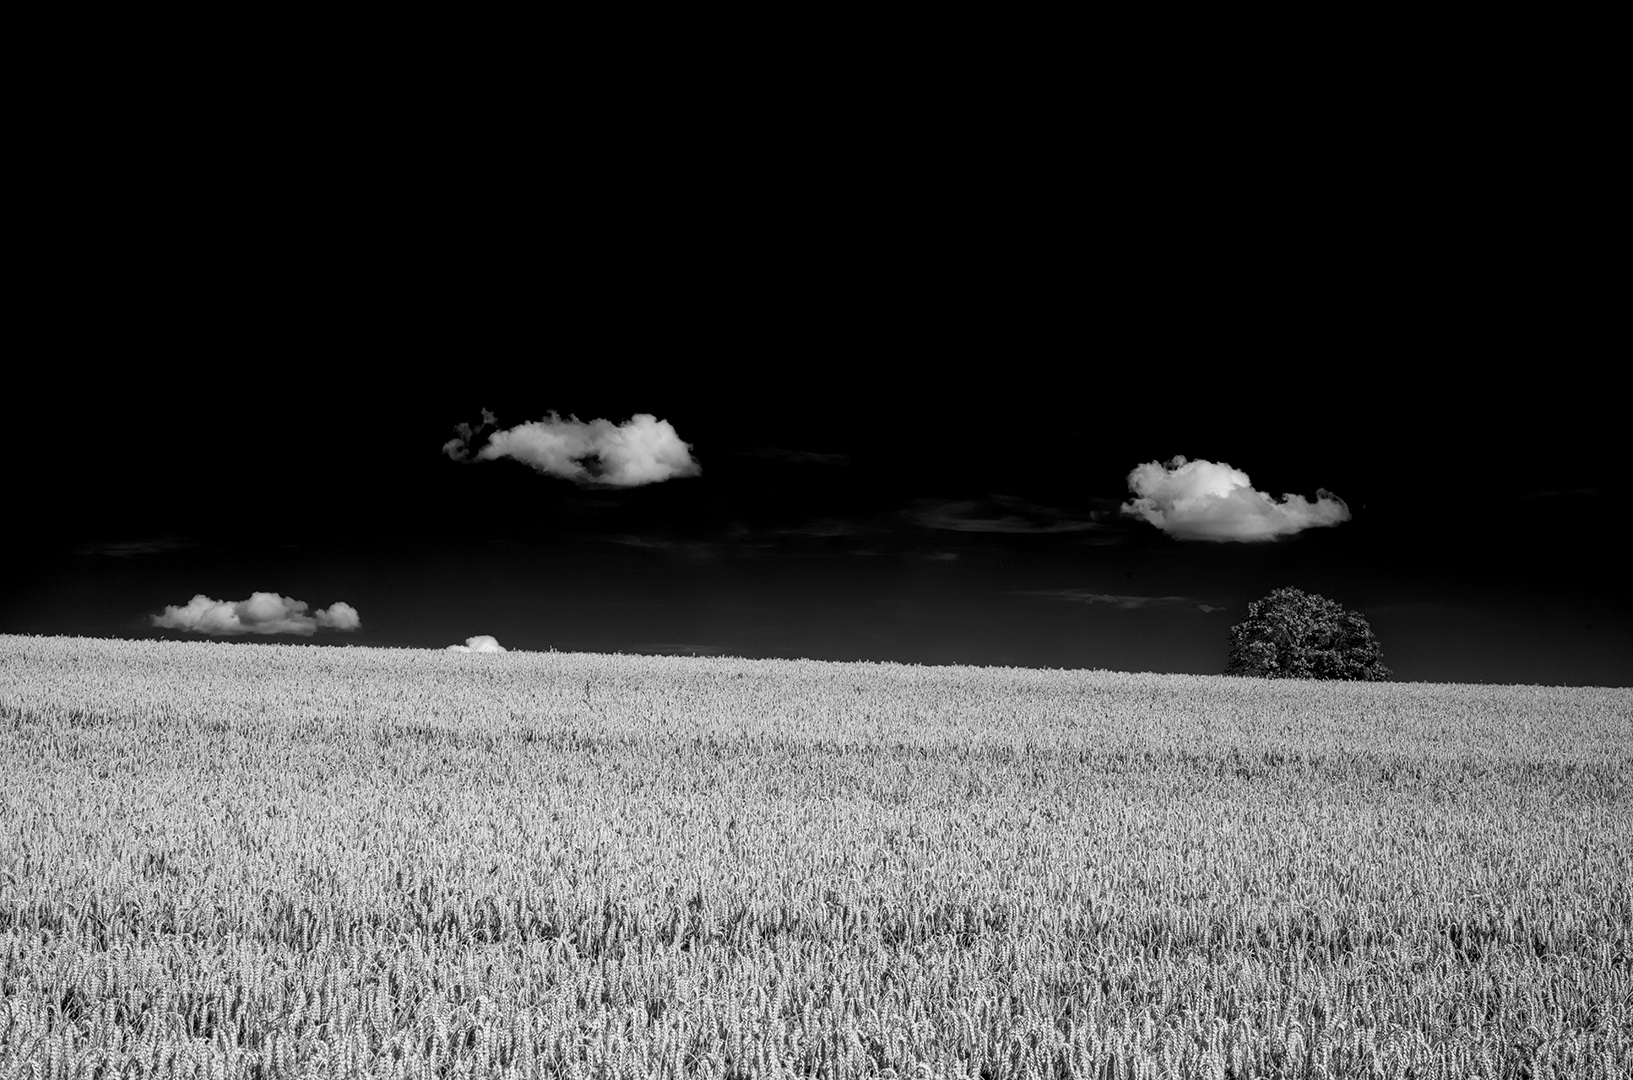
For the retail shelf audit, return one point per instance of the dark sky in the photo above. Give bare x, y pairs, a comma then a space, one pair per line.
896, 511
915, 358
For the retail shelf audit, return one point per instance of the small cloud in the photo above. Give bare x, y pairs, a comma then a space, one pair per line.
796, 457
1209, 609
1202, 500
339, 616
939, 556
641, 450
997, 514
1086, 596
262, 613
484, 643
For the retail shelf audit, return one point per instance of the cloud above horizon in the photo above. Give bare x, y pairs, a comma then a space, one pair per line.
127, 549
996, 514
796, 457
1205, 500
262, 613
641, 450
484, 643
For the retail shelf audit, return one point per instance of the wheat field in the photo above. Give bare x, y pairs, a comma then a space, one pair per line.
226, 860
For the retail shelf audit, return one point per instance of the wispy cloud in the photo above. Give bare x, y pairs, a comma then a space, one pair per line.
483, 643
262, 613
796, 457
634, 540
1209, 609
641, 450
1588, 492
130, 549
997, 514
1088, 596
686, 550
1204, 500
831, 527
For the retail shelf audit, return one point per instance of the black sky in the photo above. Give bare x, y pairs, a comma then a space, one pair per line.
894, 511
915, 359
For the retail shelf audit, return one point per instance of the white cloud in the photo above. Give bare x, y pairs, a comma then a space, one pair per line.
641, 450
479, 643
1202, 500
339, 616
262, 613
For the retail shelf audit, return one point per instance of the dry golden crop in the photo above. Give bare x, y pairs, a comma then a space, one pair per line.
222, 860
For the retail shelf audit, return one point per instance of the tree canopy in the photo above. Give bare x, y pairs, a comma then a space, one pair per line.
1292, 634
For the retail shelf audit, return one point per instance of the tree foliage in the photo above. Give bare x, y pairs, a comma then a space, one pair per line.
1292, 634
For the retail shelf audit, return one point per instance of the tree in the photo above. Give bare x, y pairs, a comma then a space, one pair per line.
1296, 635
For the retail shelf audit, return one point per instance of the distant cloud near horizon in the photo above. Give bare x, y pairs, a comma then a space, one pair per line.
262, 613
1204, 500
641, 450
480, 643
